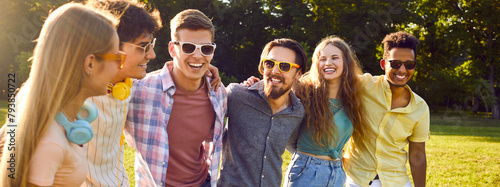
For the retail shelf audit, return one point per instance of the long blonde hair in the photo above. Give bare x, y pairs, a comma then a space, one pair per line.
69, 34
314, 92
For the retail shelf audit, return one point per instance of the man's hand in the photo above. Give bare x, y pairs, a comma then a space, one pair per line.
213, 73
250, 81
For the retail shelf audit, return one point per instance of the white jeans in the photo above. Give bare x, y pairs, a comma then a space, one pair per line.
375, 183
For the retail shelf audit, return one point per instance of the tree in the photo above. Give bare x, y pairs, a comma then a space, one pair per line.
470, 37
20, 25
480, 31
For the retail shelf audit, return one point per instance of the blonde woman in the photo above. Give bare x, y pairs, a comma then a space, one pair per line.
330, 94
75, 58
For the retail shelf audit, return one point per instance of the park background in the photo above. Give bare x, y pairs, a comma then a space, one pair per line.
458, 70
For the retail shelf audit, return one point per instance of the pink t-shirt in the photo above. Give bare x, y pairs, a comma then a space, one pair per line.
191, 122
56, 161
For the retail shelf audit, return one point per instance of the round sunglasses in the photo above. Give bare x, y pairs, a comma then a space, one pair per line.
146, 48
189, 48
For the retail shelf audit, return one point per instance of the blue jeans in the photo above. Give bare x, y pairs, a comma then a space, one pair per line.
309, 171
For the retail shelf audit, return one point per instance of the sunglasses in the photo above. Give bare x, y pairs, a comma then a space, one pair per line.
283, 66
120, 57
189, 48
146, 48
409, 64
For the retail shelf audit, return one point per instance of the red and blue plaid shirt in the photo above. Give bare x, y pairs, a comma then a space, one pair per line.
146, 127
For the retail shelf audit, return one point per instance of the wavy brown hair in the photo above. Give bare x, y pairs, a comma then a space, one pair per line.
313, 92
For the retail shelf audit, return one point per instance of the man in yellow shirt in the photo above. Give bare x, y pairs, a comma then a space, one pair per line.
395, 116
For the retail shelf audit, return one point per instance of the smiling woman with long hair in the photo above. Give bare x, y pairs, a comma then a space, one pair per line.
75, 58
329, 92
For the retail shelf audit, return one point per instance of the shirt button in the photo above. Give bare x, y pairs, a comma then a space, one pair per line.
161, 183
265, 156
268, 137
262, 176
163, 163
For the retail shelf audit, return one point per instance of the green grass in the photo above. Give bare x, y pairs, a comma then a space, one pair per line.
464, 150
3, 111
129, 163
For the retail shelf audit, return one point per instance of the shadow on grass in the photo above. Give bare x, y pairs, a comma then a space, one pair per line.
464, 119
463, 124
482, 130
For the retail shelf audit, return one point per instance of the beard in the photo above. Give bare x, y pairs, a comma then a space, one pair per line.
272, 91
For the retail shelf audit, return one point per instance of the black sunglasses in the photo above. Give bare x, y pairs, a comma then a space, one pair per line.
189, 48
409, 64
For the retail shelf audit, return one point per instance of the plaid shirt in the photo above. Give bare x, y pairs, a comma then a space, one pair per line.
146, 127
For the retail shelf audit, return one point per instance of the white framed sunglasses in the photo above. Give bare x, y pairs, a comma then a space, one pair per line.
189, 48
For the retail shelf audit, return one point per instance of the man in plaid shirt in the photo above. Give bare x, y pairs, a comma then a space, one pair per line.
180, 141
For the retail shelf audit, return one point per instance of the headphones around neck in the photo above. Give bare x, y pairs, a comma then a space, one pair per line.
79, 132
121, 90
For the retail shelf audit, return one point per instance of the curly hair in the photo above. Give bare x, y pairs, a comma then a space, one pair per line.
399, 39
313, 92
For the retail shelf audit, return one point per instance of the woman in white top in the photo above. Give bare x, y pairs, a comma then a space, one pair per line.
75, 58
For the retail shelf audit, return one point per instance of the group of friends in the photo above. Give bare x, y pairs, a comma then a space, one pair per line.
344, 128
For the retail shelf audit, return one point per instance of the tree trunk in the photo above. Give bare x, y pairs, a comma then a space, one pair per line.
495, 112
495, 108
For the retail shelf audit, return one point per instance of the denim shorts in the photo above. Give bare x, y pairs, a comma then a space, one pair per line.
309, 171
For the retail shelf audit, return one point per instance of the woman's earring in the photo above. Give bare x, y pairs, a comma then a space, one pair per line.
90, 73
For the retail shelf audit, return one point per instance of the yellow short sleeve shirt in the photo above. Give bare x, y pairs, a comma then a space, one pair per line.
382, 150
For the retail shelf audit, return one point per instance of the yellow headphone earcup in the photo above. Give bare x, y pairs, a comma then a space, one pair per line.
128, 82
121, 91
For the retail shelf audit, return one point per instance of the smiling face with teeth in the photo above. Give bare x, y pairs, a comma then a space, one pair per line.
398, 77
331, 63
189, 69
136, 61
277, 83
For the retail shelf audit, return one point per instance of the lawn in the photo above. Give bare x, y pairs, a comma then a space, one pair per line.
463, 151
3, 111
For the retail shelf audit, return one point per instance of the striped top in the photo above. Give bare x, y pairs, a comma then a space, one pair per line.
104, 149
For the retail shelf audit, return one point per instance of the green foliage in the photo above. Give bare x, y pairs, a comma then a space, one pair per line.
459, 39
23, 60
3, 111
20, 25
226, 80
486, 96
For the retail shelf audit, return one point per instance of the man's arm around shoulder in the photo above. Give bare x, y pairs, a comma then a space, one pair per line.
418, 163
